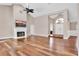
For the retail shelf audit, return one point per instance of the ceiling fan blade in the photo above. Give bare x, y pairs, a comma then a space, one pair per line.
29, 10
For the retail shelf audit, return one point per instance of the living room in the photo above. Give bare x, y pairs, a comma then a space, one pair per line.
39, 29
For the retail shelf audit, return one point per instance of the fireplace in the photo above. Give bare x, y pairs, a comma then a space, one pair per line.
20, 33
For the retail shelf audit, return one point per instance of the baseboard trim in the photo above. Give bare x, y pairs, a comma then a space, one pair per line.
2, 38
40, 35
32, 36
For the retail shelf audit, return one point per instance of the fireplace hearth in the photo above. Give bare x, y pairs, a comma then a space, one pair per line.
20, 33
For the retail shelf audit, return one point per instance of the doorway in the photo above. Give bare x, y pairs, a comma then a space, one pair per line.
58, 24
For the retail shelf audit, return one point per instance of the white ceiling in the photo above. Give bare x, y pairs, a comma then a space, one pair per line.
6, 4
41, 9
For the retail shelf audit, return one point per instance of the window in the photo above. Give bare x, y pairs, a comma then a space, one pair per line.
59, 20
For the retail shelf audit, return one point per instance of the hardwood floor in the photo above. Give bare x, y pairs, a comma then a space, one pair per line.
38, 46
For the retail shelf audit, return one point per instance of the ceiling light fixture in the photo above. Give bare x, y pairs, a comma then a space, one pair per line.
29, 10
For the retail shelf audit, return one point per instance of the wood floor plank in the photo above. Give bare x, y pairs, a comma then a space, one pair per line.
38, 46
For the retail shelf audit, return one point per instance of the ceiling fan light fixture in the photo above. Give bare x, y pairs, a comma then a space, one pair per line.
29, 10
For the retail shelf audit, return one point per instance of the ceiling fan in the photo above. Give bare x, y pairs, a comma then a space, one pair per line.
29, 10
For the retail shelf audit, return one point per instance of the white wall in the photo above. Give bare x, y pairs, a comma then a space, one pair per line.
77, 44
6, 22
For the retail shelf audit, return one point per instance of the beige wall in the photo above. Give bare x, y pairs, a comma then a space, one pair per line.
39, 26
6, 22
